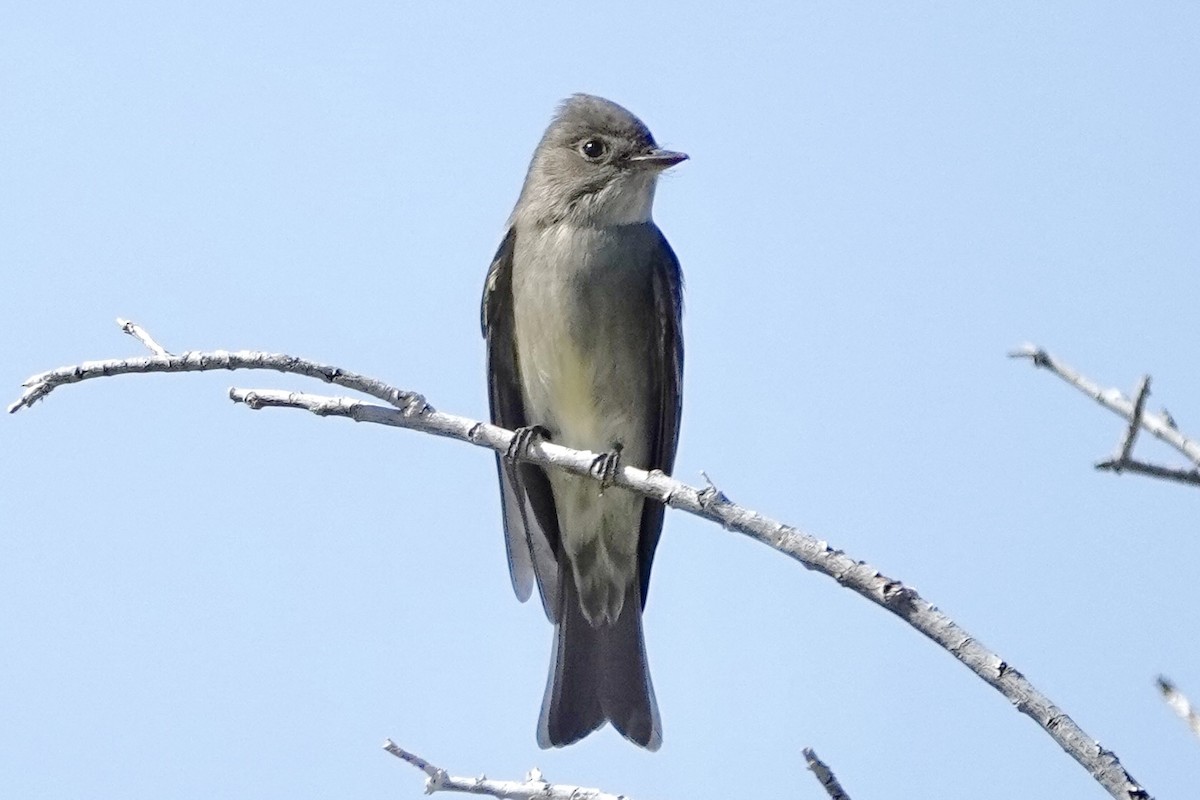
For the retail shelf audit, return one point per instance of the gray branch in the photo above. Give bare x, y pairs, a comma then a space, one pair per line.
411, 411
532, 788
38, 386
824, 774
1161, 426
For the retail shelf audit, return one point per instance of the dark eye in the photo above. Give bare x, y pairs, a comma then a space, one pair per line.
593, 149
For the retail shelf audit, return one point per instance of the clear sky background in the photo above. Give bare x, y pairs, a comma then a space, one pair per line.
201, 601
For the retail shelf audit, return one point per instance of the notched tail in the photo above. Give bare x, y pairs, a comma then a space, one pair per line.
598, 674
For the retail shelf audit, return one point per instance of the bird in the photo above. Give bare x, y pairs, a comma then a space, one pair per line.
582, 312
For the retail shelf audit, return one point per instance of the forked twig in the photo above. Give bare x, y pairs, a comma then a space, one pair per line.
1162, 426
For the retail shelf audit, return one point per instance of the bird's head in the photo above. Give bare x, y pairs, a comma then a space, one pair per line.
597, 164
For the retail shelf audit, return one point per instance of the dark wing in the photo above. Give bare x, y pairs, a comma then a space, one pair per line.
530, 521
667, 398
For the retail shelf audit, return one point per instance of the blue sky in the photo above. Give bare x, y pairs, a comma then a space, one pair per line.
197, 600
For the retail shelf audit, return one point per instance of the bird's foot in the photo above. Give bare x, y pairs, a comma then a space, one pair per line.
606, 466
518, 448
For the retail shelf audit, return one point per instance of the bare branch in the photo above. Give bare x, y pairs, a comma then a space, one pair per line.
532, 788
825, 775
814, 554
1179, 703
1162, 425
41, 385
412, 412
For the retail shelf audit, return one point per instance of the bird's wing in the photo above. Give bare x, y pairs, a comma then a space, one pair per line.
530, 521
667, 398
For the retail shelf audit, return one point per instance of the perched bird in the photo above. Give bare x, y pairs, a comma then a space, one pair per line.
581, 312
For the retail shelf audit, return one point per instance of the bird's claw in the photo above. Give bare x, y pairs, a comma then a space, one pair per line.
607, 465
518, 448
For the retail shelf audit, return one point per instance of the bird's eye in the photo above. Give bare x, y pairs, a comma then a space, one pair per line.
593, 149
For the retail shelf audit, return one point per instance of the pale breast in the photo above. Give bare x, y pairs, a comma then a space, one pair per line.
585, 329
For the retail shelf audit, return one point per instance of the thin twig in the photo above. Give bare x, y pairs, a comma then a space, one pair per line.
532, 788
1125, 449
139, 333
1186, 475
709, 503
825, 775
1179, 703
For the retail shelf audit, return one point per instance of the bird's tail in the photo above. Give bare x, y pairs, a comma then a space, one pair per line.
598, 674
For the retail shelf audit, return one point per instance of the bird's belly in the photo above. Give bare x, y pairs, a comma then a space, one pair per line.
586, 399
572, 394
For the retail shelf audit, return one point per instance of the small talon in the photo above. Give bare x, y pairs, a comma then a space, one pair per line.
607, 465
518, 448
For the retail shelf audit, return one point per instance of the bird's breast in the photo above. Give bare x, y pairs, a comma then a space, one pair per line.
583, 323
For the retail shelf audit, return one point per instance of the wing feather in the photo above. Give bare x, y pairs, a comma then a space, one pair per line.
668, 397
530, 521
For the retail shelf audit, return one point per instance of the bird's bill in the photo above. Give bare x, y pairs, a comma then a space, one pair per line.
658, 159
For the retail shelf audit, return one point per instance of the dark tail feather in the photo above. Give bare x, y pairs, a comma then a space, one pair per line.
598, 674
571, 707
628, 695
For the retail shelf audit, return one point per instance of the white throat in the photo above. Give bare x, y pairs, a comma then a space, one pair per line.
629, 202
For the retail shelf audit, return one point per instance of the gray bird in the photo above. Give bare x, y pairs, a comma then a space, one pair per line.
581, 312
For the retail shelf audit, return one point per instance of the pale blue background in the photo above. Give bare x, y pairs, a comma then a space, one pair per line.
198, 601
